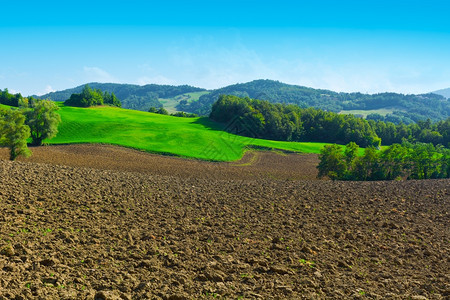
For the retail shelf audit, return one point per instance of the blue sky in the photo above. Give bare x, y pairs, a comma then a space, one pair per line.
367, 46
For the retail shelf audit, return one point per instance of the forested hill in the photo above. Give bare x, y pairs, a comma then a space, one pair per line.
390, 107
402, 108
132, 96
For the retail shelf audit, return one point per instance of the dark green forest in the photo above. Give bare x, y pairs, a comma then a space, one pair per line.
399, 161
265, 120
406, 108
131, 96
287, 122
422, 131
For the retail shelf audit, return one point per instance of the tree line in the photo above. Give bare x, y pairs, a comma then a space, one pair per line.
262, 119
406, 108
92, 97
163, 111
422, 131
291, 123
398, 161
33, 118
7, 98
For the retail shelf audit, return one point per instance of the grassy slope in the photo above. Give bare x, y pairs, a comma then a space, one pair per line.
364, 113
189, 137
171, 103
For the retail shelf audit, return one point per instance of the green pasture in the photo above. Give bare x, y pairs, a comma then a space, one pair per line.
365, 113
187, 137
171, 103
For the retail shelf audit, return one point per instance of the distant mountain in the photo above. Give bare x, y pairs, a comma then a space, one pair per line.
132, 96
443, 92
401, 108
391, 107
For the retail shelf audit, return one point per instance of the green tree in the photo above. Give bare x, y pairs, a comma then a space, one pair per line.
87, 97
444, 162
332, 162
394, 161
43, 121
10, 99
350, 155
162, 111
424, 160
410, 161
366, 166
351, 152
14, 133
111, 99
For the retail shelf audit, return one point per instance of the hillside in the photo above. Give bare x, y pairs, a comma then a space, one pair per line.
390, 107
398, 107
273, 91
132, 96
187, 137
443, 92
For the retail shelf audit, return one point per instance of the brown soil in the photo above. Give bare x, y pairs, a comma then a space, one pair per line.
276, 165
215, 231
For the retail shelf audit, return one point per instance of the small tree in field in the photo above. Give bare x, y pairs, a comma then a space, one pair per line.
14, 133
43, 121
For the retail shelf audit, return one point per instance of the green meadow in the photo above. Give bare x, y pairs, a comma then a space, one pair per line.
171, 103
186, 137
365, 113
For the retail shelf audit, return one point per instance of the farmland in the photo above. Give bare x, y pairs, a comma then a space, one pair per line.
118, 223
84, 220
187, 137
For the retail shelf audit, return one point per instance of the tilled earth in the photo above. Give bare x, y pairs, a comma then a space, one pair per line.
84, 233
275, 165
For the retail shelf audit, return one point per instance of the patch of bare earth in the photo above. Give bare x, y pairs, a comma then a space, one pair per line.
119, 232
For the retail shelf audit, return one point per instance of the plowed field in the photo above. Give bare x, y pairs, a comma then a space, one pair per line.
85, 222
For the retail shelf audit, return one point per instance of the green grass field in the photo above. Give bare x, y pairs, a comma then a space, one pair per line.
171, 103
364, 113
187, 137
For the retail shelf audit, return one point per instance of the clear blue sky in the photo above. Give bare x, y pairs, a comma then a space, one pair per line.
367, 46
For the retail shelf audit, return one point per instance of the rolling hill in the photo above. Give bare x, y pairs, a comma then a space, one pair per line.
396, 107
391, 107
187, 137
